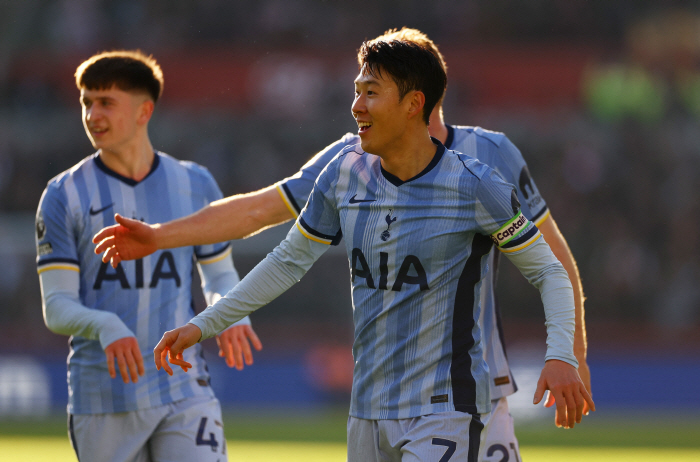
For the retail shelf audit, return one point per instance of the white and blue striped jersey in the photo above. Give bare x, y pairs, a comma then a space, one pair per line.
150, 295
418, 252
498, 152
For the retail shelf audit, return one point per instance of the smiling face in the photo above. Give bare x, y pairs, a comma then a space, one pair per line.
112, 118
381, 116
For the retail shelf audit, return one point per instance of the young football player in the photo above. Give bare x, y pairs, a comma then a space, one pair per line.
118, 313
242, 215
418, 222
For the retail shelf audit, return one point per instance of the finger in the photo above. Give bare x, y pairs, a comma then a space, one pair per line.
164, 361
539, 392
131, 366
115, 260
247, 352
104, 244
230, 361
549, 399
179, 361
108, 254
578, 398
121, 362
570, 410
586, 408
589, 400
104, 234
139, 360
125, 222
237, 353
110, 363
160, 352
561, 409
157, 351
253, 338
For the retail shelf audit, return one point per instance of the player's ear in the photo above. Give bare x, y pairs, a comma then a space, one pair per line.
416, 101
145, 111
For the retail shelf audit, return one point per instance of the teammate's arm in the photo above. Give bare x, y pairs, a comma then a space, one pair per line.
280, 270
218, 276
64, 314
561, 250
233, 217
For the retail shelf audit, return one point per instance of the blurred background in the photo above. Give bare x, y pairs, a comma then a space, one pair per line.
601, 96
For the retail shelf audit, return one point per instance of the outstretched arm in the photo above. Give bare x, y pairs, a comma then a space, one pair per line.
280, 270
560, 376
233, 217
561, 250
218, 277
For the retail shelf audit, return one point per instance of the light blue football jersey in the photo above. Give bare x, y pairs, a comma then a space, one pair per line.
150, 295
418, 252
498, 152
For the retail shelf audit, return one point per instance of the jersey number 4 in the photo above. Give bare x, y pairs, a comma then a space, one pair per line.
200, 436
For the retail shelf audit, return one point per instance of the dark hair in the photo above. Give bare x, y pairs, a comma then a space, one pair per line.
128, 70
408, 34
410, 65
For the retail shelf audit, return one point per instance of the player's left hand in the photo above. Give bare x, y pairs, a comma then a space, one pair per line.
171, 346
570, 394
234, 345
585, 374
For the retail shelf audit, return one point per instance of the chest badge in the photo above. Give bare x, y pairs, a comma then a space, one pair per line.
389, 220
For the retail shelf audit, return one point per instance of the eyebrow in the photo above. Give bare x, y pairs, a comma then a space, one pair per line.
97, 98
367, 82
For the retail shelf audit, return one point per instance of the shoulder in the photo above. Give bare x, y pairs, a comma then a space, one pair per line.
481, 134
467, 165
195, 170
59, 182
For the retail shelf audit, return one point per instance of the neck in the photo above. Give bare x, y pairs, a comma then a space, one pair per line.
410, 154
437, 127
133, 160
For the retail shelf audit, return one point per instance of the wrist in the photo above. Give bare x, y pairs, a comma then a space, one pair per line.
159, 235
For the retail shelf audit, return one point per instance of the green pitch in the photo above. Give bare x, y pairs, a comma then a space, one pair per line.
271, 437
57, 449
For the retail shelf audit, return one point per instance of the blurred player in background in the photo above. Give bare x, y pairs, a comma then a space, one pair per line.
418, 222
119, 312
243, 215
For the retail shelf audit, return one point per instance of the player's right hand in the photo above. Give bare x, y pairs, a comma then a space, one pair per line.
129, 360
171, 346
127, 240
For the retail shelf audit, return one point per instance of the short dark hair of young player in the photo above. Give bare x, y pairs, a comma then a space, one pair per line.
128, 70
410, 65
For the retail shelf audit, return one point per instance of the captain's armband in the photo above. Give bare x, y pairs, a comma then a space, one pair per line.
516, 235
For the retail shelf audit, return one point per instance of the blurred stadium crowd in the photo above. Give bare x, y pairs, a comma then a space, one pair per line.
602, 97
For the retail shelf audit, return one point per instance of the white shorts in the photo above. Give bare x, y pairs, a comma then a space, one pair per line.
190, 429
498, 441
434, 437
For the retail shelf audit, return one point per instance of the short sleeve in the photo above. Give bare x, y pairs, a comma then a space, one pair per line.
296, 189
498, 215
319, 220
210, 253
55, 238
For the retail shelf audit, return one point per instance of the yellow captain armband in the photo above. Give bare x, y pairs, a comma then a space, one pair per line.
517, 234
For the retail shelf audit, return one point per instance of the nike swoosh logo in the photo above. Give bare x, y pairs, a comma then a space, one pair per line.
95, 212
357, 201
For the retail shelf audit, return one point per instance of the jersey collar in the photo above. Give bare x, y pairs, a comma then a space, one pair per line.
396, 181
130, 181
